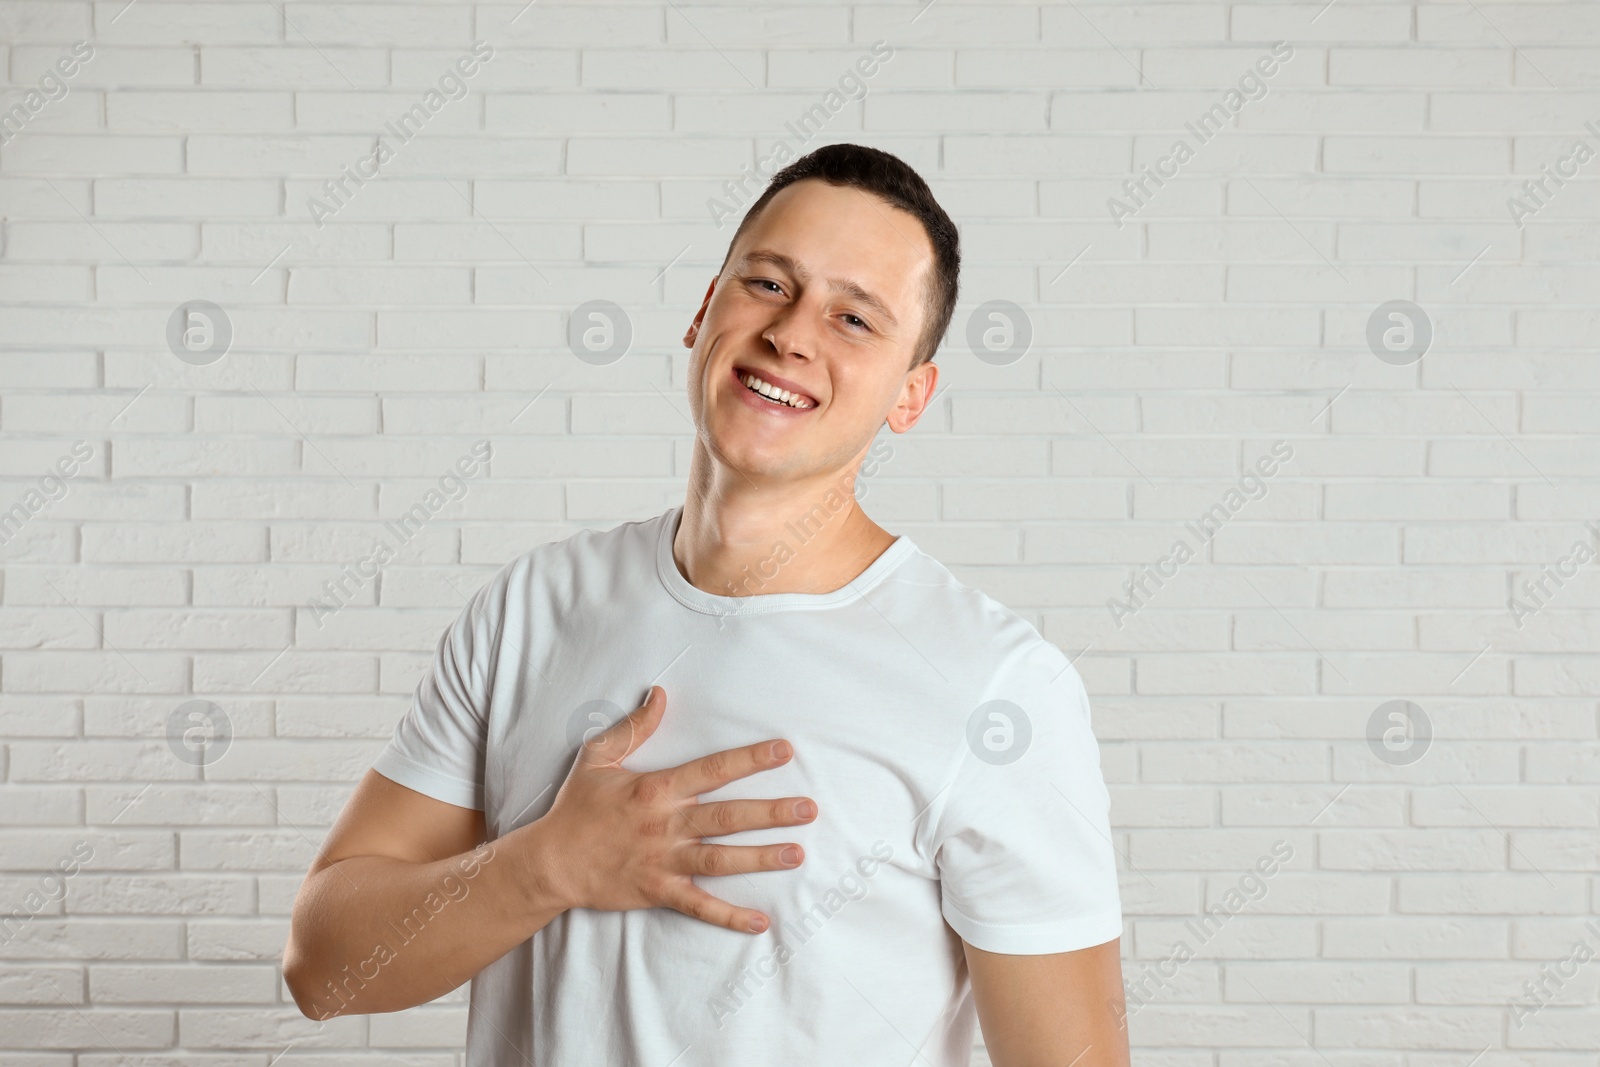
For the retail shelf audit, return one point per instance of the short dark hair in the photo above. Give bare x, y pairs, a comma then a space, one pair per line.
891, 178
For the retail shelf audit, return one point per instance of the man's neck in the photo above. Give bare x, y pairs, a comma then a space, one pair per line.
811, 539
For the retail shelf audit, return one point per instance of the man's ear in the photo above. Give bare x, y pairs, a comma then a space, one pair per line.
694, 327
915, 395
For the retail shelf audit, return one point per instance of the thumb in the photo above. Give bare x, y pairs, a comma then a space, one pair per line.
623, 739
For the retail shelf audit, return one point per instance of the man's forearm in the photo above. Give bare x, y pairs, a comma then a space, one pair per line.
377, 934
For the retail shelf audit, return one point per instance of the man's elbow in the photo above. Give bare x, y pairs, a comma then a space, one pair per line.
298, 981
301, 976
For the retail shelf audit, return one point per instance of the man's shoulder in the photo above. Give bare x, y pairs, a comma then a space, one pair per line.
564, 565
985, 630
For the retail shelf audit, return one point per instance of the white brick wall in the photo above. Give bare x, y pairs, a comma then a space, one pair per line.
209, 504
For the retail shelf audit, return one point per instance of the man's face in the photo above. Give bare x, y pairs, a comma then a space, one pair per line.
822, 295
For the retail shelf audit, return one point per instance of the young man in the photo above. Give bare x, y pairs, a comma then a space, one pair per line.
860, 807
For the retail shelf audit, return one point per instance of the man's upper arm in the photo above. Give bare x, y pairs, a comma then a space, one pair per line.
421, 801
439, 745
1051, 1010
384, 818
1022, 836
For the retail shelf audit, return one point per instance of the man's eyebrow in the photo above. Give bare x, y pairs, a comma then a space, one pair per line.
841, 285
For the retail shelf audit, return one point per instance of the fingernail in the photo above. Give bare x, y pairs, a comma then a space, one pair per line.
780, 750
805, 809
790, 855
757, 925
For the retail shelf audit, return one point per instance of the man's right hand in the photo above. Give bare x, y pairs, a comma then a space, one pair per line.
621, 840
613, 840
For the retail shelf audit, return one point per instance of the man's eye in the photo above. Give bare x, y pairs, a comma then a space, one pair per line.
857, 320
776, 288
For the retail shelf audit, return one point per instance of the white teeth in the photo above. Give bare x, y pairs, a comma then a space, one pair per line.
772, 392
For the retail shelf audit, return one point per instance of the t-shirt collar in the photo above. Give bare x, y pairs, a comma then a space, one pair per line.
760, 603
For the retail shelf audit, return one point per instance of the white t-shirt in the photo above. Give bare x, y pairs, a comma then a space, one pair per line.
947, 746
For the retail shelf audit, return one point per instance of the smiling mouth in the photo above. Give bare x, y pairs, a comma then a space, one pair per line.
771, 393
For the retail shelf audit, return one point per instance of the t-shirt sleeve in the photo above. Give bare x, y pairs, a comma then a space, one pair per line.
438, 745
1023, 842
